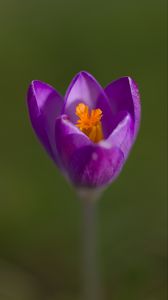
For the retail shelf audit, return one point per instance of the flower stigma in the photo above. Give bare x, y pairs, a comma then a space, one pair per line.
90, 122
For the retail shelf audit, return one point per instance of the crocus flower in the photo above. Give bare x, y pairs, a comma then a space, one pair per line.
89, 132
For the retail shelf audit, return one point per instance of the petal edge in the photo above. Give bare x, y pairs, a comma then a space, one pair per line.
124, 95
44, 105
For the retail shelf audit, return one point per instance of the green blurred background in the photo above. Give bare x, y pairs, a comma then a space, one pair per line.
40, 218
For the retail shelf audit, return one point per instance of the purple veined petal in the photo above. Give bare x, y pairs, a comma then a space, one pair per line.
44, 104
85, 163
68, 138
95, 166
88, 164
84, 88
122, 136
124, 96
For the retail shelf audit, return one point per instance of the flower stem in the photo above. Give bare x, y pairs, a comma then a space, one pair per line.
91, 284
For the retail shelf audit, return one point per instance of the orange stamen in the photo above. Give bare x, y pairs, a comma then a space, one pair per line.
90, 123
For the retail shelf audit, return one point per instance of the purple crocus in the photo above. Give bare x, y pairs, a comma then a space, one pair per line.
88, 133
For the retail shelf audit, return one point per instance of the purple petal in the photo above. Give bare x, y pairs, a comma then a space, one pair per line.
84, 88
44, 104
86, 164
95, 166
124, 96
122, 135
68, 138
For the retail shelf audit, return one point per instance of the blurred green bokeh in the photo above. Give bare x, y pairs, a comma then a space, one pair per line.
40, 219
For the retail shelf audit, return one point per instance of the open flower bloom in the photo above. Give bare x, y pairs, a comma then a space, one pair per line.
89, 132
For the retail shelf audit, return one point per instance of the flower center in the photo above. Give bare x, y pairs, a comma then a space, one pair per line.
90, 122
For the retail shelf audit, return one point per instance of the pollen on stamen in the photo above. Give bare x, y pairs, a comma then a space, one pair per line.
90, 122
